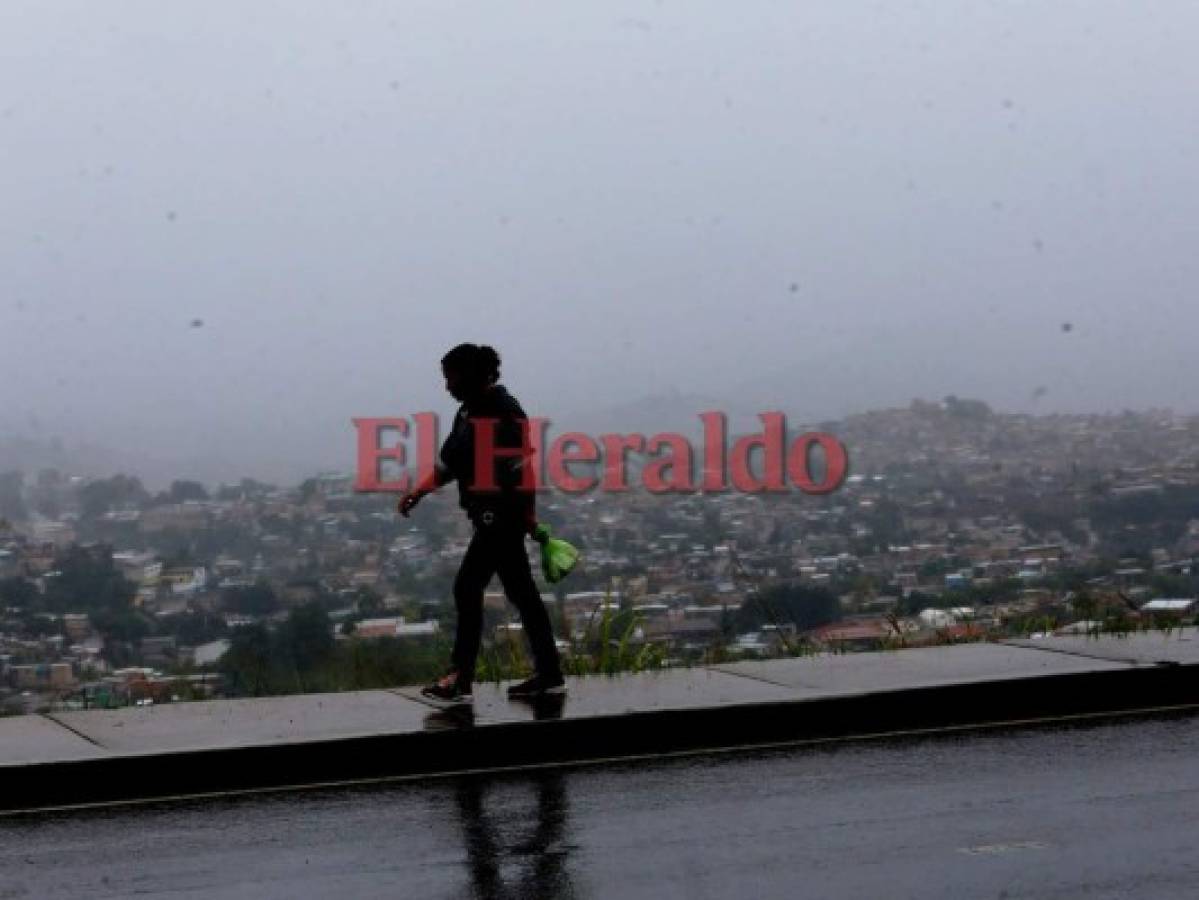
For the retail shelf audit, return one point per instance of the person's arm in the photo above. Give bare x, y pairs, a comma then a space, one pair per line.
440, 475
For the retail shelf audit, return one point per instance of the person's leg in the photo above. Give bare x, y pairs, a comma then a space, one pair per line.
478, 565
512, 564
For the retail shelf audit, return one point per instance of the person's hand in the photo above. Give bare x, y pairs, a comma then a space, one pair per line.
407, 502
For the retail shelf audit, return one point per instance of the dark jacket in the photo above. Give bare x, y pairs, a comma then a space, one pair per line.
509, 504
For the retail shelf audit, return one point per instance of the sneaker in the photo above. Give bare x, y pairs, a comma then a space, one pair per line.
544, 706
449, 690
537, 686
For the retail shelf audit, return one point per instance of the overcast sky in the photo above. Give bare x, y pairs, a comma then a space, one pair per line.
229, 227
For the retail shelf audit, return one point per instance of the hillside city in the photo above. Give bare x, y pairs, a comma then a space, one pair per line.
956, 523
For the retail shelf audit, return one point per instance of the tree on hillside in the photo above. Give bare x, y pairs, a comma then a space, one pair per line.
307, 637
186, 490
85, 579
106, 494
248, 663
19, 593
788, 603
253, 599
12, 497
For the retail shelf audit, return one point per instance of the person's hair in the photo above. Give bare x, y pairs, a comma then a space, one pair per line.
478, 362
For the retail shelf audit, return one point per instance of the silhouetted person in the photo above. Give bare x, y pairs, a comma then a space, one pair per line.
502, 518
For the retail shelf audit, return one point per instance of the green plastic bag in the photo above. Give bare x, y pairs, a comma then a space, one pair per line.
558, 557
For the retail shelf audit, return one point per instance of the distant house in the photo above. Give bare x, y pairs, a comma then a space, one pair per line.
417, 629
868, 634
1129, 576
376, 628
210, 653
1040, 552
183, 580
936, 618
751, 644
136, 565
42, 676
693, 632
394, 627
159, 651
76, 625
1171, 608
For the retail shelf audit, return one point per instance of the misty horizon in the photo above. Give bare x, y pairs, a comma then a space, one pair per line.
232, 231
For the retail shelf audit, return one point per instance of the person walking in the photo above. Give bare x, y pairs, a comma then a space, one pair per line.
502, 517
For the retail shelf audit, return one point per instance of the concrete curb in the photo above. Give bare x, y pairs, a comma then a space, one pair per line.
505, 746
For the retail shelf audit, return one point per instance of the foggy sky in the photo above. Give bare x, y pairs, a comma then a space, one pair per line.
230, 227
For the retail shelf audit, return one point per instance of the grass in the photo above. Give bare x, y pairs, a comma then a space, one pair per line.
604, 648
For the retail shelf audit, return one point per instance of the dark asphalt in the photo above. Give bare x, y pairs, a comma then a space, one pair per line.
1101, 811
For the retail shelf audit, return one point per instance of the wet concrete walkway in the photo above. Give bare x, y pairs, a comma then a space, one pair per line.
102, 756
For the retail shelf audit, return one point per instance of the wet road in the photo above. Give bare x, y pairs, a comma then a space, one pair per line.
1107, 811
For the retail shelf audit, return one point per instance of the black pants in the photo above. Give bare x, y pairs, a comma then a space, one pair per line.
499, 548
